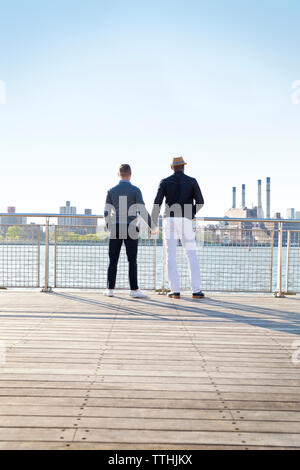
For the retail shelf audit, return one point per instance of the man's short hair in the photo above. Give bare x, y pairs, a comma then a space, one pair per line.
125, 169
178, 168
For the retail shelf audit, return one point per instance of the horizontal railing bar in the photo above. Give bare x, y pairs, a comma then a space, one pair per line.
200, 219
54, 216
236, 219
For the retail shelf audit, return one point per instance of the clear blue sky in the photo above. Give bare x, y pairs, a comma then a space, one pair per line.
92, 84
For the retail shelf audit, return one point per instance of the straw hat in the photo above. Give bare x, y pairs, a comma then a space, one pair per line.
178, 161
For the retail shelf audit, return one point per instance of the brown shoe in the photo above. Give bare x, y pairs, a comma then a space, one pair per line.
174, 295
198, 295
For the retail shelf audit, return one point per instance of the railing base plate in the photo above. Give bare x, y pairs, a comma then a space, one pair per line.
283, 294
162, 291
279, 294
47, 290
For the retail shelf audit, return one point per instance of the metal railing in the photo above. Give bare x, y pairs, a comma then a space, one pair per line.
235, 255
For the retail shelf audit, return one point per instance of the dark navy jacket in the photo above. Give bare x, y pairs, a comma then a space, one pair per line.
123, 203
180, 191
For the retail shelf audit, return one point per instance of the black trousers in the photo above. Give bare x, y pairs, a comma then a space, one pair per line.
115, 245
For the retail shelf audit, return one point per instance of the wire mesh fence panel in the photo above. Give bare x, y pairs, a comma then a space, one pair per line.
80, 256
20, 255
236, 259
293, 271
147, 259
230, 259
81, 260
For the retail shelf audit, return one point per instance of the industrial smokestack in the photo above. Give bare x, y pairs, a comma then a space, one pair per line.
243, 195
234, 197
268, 198
260, 213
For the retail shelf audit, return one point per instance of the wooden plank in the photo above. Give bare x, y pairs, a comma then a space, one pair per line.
275, 416
143, 424
188, 437
65, 445
208, 393
205, 392
35, 434
109, 412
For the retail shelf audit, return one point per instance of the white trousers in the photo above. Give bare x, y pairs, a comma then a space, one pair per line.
175, 228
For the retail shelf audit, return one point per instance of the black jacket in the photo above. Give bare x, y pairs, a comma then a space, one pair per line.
180, 191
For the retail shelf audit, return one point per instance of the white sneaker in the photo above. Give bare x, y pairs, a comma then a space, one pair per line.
137, 294
109, 292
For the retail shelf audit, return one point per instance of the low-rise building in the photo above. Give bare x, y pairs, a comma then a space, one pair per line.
11, 219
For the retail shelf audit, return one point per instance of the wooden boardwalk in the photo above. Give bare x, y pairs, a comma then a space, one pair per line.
83, 371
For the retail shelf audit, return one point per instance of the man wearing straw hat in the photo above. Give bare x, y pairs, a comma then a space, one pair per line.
183, 199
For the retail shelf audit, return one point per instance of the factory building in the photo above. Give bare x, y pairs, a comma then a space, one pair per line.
245, 231
256, 212
262, 231
290, 213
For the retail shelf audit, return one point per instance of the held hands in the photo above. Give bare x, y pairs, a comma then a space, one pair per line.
154, 231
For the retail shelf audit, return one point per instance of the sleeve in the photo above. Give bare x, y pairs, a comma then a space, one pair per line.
107, 209
158, 203
198, 198
143, 211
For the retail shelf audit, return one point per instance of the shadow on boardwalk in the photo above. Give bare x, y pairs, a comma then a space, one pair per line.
277, 320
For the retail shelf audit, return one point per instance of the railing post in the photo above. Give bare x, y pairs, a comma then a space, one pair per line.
287, 262
154, 268
55, 254
46, 287
271, 261
163, 265
39, 254
279, 292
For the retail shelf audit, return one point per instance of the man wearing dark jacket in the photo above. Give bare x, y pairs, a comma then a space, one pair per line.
123, 204
183, 199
